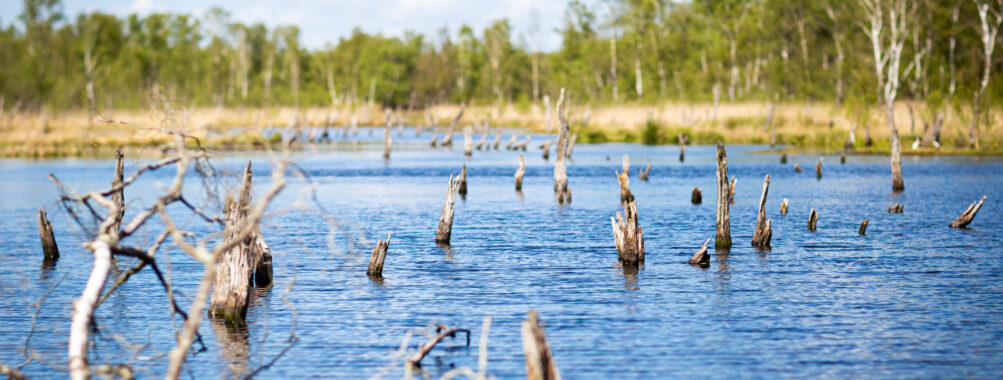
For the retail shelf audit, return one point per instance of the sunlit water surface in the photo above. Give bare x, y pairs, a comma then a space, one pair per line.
913, 298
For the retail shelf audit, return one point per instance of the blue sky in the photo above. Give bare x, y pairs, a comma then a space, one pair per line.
323, 22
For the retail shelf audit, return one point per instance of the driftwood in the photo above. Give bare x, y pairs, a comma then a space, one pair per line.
783, 207
561, 190
812, 220
682, 147
625, 194
118, 196
378, 257
731, 189
896, 209
644, 173
520, 172
966, 217
701, 258
628, 235
818, 169
468, 142
697, 197
763, 233
441, 331
797, 168
863, 227
445, 229
49, 248
783, 158
463, 182
540, 363
723, 232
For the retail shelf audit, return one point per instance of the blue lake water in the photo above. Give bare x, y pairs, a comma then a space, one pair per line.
913, 298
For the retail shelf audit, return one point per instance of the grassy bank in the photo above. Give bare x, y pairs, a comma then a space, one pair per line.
802, 127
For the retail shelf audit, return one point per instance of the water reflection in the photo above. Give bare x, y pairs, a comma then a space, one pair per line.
48, 267
721, 258
234, 345
629, 272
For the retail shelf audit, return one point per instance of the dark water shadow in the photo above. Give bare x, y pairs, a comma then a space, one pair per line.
48, 268
234, 344
721, 258
630, 272
376, 279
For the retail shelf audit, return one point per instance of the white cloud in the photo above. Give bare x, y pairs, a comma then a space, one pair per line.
145, 7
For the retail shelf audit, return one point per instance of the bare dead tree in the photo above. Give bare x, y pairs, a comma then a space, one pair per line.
990, 19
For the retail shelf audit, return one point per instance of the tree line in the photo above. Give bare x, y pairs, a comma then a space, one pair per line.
615, 51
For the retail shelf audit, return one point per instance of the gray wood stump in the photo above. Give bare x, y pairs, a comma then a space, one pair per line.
763, 233
445, 230
628, 235
540, 363
723, 232
49, 248
378, 257
701, 258
966, 217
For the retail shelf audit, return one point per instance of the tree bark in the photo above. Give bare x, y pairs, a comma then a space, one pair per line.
966, 217
377, 258
763, 233
49, 248
445, 230
628, 235
520, 172
540, 363
83, 310
723, 233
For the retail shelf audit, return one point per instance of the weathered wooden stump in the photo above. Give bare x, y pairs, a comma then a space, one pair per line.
812, 220
696, 198
520, 172
783, 207
682, 147
783, 158
842, 158
571, 144
627, 235
818, 169
378, 257
723, 233
387, 140
50, 250
484, 138
644, 173
896, 209
546, 149
445, 229
497, 141
625, 165
701, 258
512, 141
763, 233
540, 363
562, 192
625, 194
118, 187
448, 140
863, 227
797, 168
966, 217
263, 261
731, 189
435, 140
463, 182
468, 142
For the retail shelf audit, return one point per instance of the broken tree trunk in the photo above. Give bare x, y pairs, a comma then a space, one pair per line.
445, 229
560, 168
386, 136
441, 331
571, 145
625, 194
463, 181
497, 140
448, 140
644, 173
783, 158
896, 209
435, 140
512, 141
812, 220
484, 138
863, 227
723, 233
797, 168
378, 257
520, 172
697, 197
627, 235
966, 217
540, 363
818, 169
232, 284
731, 190
701, 258
682, 147
468, 142
118, 196
49, 248
625, 165
546, 149
761, 237
783, 207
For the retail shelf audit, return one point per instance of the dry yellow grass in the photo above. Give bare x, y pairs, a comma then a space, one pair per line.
805, 125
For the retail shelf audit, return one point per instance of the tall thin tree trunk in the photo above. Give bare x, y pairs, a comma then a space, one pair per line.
612, 68
536, 76
896, 146
638, 80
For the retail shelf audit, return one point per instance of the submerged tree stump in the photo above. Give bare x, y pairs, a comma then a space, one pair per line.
435, 140
561, 190
697, 197
966, 217
818, 169
625, 194
701, 258
512, 141
378, 257
863, 227
520, 172
812, 220
49, 248
763, 233
497, 141
448, 140
468, 142
445, 229
723, 233
783, 207
896, 209
571, 145
118, 196
387, 140
731, 189
463, 181
546, 149
644, 173
783, 158
627, 235
682, 147
797, 168
625, 165
232, 284
842, 158
540, 363
484, 138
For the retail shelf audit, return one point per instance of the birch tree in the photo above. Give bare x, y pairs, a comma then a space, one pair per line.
990, 18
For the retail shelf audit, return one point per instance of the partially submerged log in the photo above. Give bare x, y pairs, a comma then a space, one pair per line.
723, 232
797, 168
627, 235
522, 144
783, 207
561, 190
701, 258
731, 189
812, 220
625, 194
697, 197
863, 227
842, 158
49, 248
644, 173
520, 172
763, 232
445, 229
682, 147
783, 158
896, 209
818, 169
966, 217
378, 257
463, 181
442, 331
540, 363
